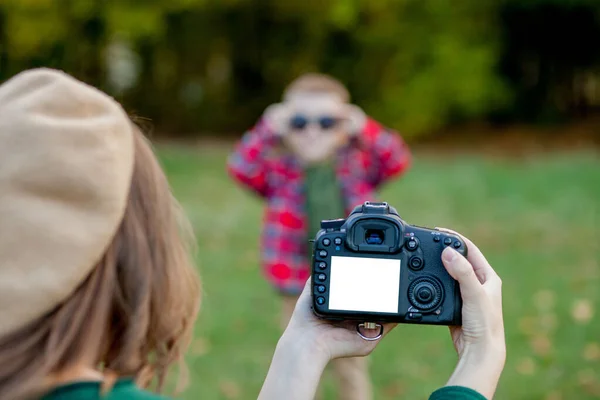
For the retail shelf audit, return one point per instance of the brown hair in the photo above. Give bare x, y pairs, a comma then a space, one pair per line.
317, 83
133, 315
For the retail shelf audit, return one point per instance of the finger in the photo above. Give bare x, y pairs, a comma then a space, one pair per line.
460, 269
387, 328
305, 297
356, 118
276, 115
482, 268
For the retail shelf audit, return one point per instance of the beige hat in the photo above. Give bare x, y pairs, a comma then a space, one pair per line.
66, 159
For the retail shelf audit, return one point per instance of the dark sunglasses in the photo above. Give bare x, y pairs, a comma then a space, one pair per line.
300, 122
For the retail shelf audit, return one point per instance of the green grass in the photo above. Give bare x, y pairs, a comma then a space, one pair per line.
536, 220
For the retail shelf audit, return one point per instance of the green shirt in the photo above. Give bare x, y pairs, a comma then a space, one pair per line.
456, 393
324, 197
124, 389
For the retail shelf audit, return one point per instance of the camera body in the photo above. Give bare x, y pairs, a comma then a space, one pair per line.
374, 267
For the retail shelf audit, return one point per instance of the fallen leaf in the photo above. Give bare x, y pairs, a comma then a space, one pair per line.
230, 389
200, 346
395, 390
425, 371
591, 352
586, 377
554, 396
250, 260
544, 299
239, 325
582, 311
541, 345
528, 325
547, 322
526, 366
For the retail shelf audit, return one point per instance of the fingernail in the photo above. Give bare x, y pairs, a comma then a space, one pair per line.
449, 254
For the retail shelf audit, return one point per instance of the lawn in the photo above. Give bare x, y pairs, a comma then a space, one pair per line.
536, 219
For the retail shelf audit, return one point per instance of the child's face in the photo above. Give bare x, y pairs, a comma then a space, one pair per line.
316, 126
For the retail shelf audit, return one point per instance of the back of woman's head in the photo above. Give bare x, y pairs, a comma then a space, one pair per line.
95, 269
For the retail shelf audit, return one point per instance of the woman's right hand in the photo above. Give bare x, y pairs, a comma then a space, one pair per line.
479, 342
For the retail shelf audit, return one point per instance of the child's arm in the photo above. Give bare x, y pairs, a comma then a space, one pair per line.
391, 155
247, 163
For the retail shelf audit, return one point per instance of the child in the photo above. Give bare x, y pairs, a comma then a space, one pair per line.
312, 157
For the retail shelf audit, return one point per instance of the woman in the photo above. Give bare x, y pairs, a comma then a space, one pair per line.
98, 294
96, 282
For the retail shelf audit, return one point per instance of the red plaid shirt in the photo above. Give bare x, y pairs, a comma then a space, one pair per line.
380, 155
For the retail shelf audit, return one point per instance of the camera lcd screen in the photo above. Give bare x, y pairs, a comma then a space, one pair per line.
364, 284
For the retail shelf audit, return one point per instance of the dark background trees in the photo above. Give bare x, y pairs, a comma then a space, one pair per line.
201, 67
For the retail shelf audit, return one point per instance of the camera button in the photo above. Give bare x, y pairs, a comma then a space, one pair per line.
415, 316
322, 254
457, 244
416, 263
320, 300
326, 242
321, 277
424, 294
321, 289
337, 241
448, 241
321, 265
412, 244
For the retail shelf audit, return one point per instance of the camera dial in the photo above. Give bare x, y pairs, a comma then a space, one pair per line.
425, 293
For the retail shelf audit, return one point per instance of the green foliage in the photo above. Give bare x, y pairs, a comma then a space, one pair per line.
213, 66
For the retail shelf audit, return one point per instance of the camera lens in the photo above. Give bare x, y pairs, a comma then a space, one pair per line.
425, 293
374, 236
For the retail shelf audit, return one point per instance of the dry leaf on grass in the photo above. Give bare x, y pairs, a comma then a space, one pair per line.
230, 389
589, 381
528, 325
544, 299
239, 325
548, 322
582, 311
541, 345
526, 366
591, 352
250, 260
200, 346
554, 396
395, 390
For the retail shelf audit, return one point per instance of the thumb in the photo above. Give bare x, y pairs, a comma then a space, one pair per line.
460, 269
305, 296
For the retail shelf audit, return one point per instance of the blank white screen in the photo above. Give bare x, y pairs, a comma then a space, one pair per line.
364, 284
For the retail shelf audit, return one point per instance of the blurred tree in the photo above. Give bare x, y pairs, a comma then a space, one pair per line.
551, 58
212, 66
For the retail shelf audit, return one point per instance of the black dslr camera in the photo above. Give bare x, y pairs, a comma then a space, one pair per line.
373, 266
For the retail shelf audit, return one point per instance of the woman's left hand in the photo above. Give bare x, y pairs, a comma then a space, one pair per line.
332, 339
305, 348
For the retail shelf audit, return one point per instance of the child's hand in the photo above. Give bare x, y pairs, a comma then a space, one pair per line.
355, 119
277, 117
333, 340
